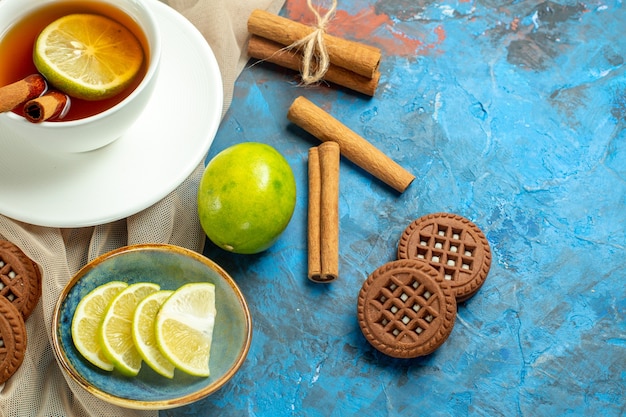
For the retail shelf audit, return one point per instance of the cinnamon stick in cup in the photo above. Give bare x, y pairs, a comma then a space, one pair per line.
323, 212
267, 50
354, 56
49, 106
358, 150
19, 92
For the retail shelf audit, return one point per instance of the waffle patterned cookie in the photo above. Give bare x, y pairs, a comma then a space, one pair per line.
12, 339
405, 309
20, 279
453, 245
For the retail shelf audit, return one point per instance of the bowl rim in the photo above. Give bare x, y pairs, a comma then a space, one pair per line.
67, 367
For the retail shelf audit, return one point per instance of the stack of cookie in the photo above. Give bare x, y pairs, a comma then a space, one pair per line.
20, 290
407, 308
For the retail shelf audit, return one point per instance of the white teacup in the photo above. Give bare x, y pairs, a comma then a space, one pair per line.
95, 131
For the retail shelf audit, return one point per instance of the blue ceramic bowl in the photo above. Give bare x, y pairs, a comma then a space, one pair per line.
170, 267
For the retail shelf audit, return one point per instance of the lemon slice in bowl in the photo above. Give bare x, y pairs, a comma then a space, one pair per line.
87, 320
184, 327
116, 329
88, 56
143, 333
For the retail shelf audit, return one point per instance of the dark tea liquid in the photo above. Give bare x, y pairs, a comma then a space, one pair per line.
16, 50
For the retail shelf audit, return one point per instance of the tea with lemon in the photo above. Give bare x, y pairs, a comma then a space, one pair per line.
16, 50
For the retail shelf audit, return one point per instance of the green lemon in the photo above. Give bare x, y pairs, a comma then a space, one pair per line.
246, 197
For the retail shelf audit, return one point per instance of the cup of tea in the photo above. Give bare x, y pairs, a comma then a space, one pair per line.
86, 123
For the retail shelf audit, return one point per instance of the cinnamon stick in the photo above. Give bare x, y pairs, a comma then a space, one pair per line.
19, 92
267, 50
49, 106
354, 56
329, 210
313, 223
358, 150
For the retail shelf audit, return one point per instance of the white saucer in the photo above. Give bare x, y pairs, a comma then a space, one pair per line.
168, 141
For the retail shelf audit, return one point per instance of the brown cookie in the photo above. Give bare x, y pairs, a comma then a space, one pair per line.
455, 246
405, 309
20, 278
12, 339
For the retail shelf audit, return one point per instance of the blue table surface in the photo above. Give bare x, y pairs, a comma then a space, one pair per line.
509, 113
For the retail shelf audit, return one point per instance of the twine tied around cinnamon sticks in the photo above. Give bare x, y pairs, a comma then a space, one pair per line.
314, 42
346, 63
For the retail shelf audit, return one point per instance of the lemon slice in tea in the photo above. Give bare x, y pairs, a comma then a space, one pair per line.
184, 327
143, 333
88, 56
87, 320
116, 329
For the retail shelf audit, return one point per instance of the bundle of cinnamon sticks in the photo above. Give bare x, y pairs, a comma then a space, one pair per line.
352, 64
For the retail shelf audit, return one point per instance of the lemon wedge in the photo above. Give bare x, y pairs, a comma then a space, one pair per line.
143, 333
88, 56
184, 327
87, 319
116, 329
